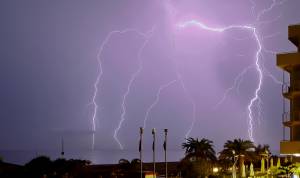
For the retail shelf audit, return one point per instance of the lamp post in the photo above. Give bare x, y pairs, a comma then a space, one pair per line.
153, 149
141, 149
165, 148
235, 158
267, 156
241, 158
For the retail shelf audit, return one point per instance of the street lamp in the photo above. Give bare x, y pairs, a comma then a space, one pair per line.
268, 155
265, 156
141, 149
165, 148
235, 158
215, 170
153, 149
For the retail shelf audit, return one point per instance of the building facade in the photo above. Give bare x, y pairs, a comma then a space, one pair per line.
290, 63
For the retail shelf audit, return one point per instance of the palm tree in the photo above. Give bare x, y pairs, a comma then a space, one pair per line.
262, 150
135, 164
240, 148
202, 149
124, 161
200, 157
135, 161
123, 167
39, 166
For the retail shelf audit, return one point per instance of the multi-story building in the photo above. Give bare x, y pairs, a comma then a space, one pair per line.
290, 63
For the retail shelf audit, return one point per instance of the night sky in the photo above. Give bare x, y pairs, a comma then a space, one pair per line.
53, 52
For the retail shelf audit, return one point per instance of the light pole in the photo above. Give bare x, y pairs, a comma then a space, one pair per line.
141, 149
165, 148
235, 158
153, 149
267, 156
241, 159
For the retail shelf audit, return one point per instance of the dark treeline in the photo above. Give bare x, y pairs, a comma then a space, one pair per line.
42, 167
200, 160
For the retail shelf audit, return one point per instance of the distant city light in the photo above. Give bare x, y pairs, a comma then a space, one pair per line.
215, 169
150, 175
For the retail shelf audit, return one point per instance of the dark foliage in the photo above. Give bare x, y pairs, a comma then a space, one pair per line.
200, 158
42, 166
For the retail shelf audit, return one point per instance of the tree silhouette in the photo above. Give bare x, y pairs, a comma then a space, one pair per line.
199, 149
240, 148
39, 166
200, 158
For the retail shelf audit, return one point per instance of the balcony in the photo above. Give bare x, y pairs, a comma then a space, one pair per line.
294, 34
287, 61
290, 148
286, 120
291, 91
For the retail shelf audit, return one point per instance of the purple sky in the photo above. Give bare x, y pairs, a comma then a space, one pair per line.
49, 65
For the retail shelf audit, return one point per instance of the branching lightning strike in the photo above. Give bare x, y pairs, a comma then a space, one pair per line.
270, 8
191, 101
236, 85
156, 101
132, 79
257, 64
99, 76
256, 99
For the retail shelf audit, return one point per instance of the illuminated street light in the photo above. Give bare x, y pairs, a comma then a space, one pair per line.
235, 158
215, 170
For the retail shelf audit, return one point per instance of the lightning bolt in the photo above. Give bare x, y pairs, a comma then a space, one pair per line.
100, 73
269, 21
274, 79
255, 101
257, 59
236, 85
172, 12
191, 101
253, 6
270, 8
132, 79
187, 94
267, 72
156, 101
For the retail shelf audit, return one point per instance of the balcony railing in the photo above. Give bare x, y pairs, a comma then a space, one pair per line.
285, 88
289, 120
285, 117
